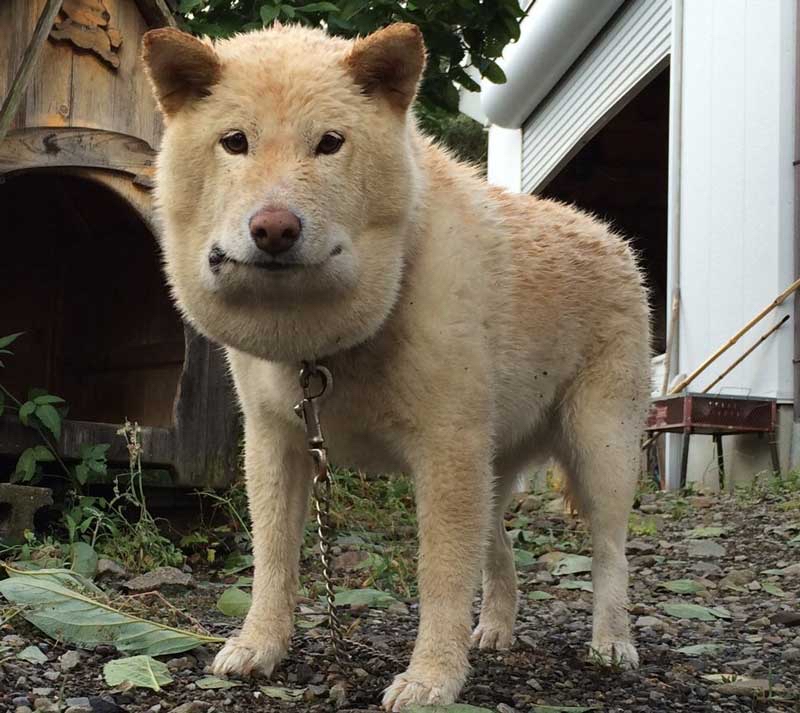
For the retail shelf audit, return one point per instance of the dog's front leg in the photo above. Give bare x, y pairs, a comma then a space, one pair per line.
453, 487
278, 483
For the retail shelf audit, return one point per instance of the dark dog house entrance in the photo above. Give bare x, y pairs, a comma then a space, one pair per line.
80, 275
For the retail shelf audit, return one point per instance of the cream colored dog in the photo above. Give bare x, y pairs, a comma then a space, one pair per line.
469, 331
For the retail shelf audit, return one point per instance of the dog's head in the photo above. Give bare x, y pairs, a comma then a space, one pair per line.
286, 182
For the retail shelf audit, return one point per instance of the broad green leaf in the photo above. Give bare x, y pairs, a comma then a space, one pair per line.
317, 7
48, 399
26, 411
524, 559
539, 596
26, 465
699, 533
283, 694
576, 584
10, 339
189, 5
494, 74
773, 589
682, 586
137, 672
84, 559
209, 683
365, 597
234, 602
268, 13
32, 654
572, 564
781, 572
63, 577
81, 473
68, 615
694, 611
50, 418
43, 454
700, 649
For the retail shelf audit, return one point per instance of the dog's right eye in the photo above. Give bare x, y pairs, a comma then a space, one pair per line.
234, 142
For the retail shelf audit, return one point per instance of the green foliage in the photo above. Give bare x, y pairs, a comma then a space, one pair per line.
458, 33
465, 137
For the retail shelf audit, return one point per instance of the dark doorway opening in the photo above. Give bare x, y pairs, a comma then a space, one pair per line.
621, 175
80, 275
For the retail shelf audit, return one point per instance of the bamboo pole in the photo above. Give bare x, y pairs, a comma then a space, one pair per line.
29, 60
745, 354
735, 338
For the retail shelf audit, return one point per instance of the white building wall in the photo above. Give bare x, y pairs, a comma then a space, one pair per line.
737, 186
505, 158
736, 234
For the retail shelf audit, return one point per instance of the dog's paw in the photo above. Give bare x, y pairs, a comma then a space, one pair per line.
614, 653
490, 634
241, 658
417, 688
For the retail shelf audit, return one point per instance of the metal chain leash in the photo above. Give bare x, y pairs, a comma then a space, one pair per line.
316, 382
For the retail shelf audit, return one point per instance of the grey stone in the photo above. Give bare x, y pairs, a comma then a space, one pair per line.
181, 663
705, 549
51, 675
42, 692
160, 578
737, 578
23, 709
110, 569
350, 561
70, 660
78, 702
652, 622
192, 707
338, 694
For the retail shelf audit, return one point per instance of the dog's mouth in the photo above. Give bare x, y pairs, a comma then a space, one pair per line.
217, 258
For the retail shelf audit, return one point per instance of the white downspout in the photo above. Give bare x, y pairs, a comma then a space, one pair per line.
672, 447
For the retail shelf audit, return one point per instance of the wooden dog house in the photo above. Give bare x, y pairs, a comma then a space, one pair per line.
80, 270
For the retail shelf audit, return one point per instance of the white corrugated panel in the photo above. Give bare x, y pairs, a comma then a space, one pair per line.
631, 48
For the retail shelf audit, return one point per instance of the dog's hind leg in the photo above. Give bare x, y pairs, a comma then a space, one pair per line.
600, 451
499, 601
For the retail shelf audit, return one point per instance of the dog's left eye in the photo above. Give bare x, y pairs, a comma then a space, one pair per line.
330, 143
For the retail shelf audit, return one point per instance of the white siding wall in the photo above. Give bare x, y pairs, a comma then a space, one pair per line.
736, 185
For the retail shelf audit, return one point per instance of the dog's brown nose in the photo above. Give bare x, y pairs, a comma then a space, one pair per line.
274, 231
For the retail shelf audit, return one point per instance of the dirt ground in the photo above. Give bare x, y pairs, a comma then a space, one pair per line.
740, 555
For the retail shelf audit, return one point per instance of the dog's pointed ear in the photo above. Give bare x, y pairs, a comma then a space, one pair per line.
180, 67
388, 63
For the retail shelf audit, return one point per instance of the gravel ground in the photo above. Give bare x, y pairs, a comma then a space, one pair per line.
756, 637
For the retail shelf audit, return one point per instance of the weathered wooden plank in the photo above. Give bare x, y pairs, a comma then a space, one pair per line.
62, 147
207, 425
29, 61
115, 99
158, 444
157, 13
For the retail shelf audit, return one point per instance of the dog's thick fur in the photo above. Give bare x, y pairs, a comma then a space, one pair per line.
469, 331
